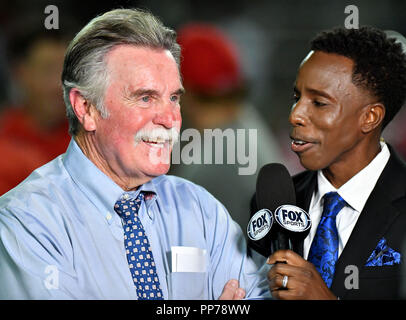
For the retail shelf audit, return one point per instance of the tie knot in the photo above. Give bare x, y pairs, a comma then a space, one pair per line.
128, 207
333, 203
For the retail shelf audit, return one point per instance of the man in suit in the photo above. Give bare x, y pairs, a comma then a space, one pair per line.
347, 90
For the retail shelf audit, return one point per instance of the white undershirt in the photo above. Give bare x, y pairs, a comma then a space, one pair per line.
355, 192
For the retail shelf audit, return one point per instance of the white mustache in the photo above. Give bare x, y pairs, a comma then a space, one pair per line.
157, 135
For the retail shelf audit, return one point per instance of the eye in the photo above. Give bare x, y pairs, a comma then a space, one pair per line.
146, 98
175, 98
318, 103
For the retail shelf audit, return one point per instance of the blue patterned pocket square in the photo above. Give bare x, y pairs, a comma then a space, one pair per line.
383, 255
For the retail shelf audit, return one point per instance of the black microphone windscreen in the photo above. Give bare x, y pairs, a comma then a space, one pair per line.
274, 187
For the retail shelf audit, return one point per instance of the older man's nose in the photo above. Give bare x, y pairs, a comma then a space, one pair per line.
167, 115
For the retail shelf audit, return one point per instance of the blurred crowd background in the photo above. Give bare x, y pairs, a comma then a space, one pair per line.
239, 63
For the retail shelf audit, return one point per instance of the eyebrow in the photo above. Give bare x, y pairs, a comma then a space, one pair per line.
314, 92
180, 91
151, 92
141, 92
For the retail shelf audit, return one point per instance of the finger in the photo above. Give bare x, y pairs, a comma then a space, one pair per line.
297, 276
239, 294
287, 256
275, 283
287, 269
284, 294
229, 290
293, 286
277, 256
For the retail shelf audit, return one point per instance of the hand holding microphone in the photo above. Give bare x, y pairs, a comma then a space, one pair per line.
277, 230
302, 280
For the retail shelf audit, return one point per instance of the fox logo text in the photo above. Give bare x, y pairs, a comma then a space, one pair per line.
260, 224
293, 218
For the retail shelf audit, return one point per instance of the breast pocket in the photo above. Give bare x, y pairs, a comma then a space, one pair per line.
383, 282
378, 272
188, 285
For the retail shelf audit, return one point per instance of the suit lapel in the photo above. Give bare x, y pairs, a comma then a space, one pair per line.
305, 185
375, 219
305, 189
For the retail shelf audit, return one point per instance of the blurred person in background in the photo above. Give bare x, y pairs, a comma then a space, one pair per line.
217, 97
396, 134
34, 129
396, 130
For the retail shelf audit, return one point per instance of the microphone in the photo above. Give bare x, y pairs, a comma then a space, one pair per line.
279, 223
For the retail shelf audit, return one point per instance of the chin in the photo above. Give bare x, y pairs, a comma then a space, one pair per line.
155, 162
310, 164
157, 170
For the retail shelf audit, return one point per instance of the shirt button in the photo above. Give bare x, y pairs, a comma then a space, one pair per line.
108, 216
126, 196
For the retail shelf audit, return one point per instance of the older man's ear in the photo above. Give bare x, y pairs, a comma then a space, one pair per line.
84, 110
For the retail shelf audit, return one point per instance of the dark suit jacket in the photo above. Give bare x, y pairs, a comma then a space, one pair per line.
384, 215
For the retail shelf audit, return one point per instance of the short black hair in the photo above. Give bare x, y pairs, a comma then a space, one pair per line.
379, 63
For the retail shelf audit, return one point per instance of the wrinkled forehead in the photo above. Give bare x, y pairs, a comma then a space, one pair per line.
128, 55
136, 64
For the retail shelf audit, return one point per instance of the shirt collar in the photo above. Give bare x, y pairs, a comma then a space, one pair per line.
98, 187
356, 191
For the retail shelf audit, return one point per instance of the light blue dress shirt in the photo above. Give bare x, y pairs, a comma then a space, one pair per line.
60, 237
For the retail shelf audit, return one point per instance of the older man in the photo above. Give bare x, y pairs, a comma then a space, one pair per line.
102, 221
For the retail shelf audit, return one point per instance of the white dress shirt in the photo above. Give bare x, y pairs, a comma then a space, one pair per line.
355, 192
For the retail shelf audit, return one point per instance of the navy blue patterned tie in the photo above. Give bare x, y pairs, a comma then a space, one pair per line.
139, 255
324, 249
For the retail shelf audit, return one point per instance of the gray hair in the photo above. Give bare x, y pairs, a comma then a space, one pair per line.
85, 66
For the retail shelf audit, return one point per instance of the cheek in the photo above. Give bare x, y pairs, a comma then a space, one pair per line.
324, 120
343, 128
127, 122
331, 126
124, 119
338, 140
178, 120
